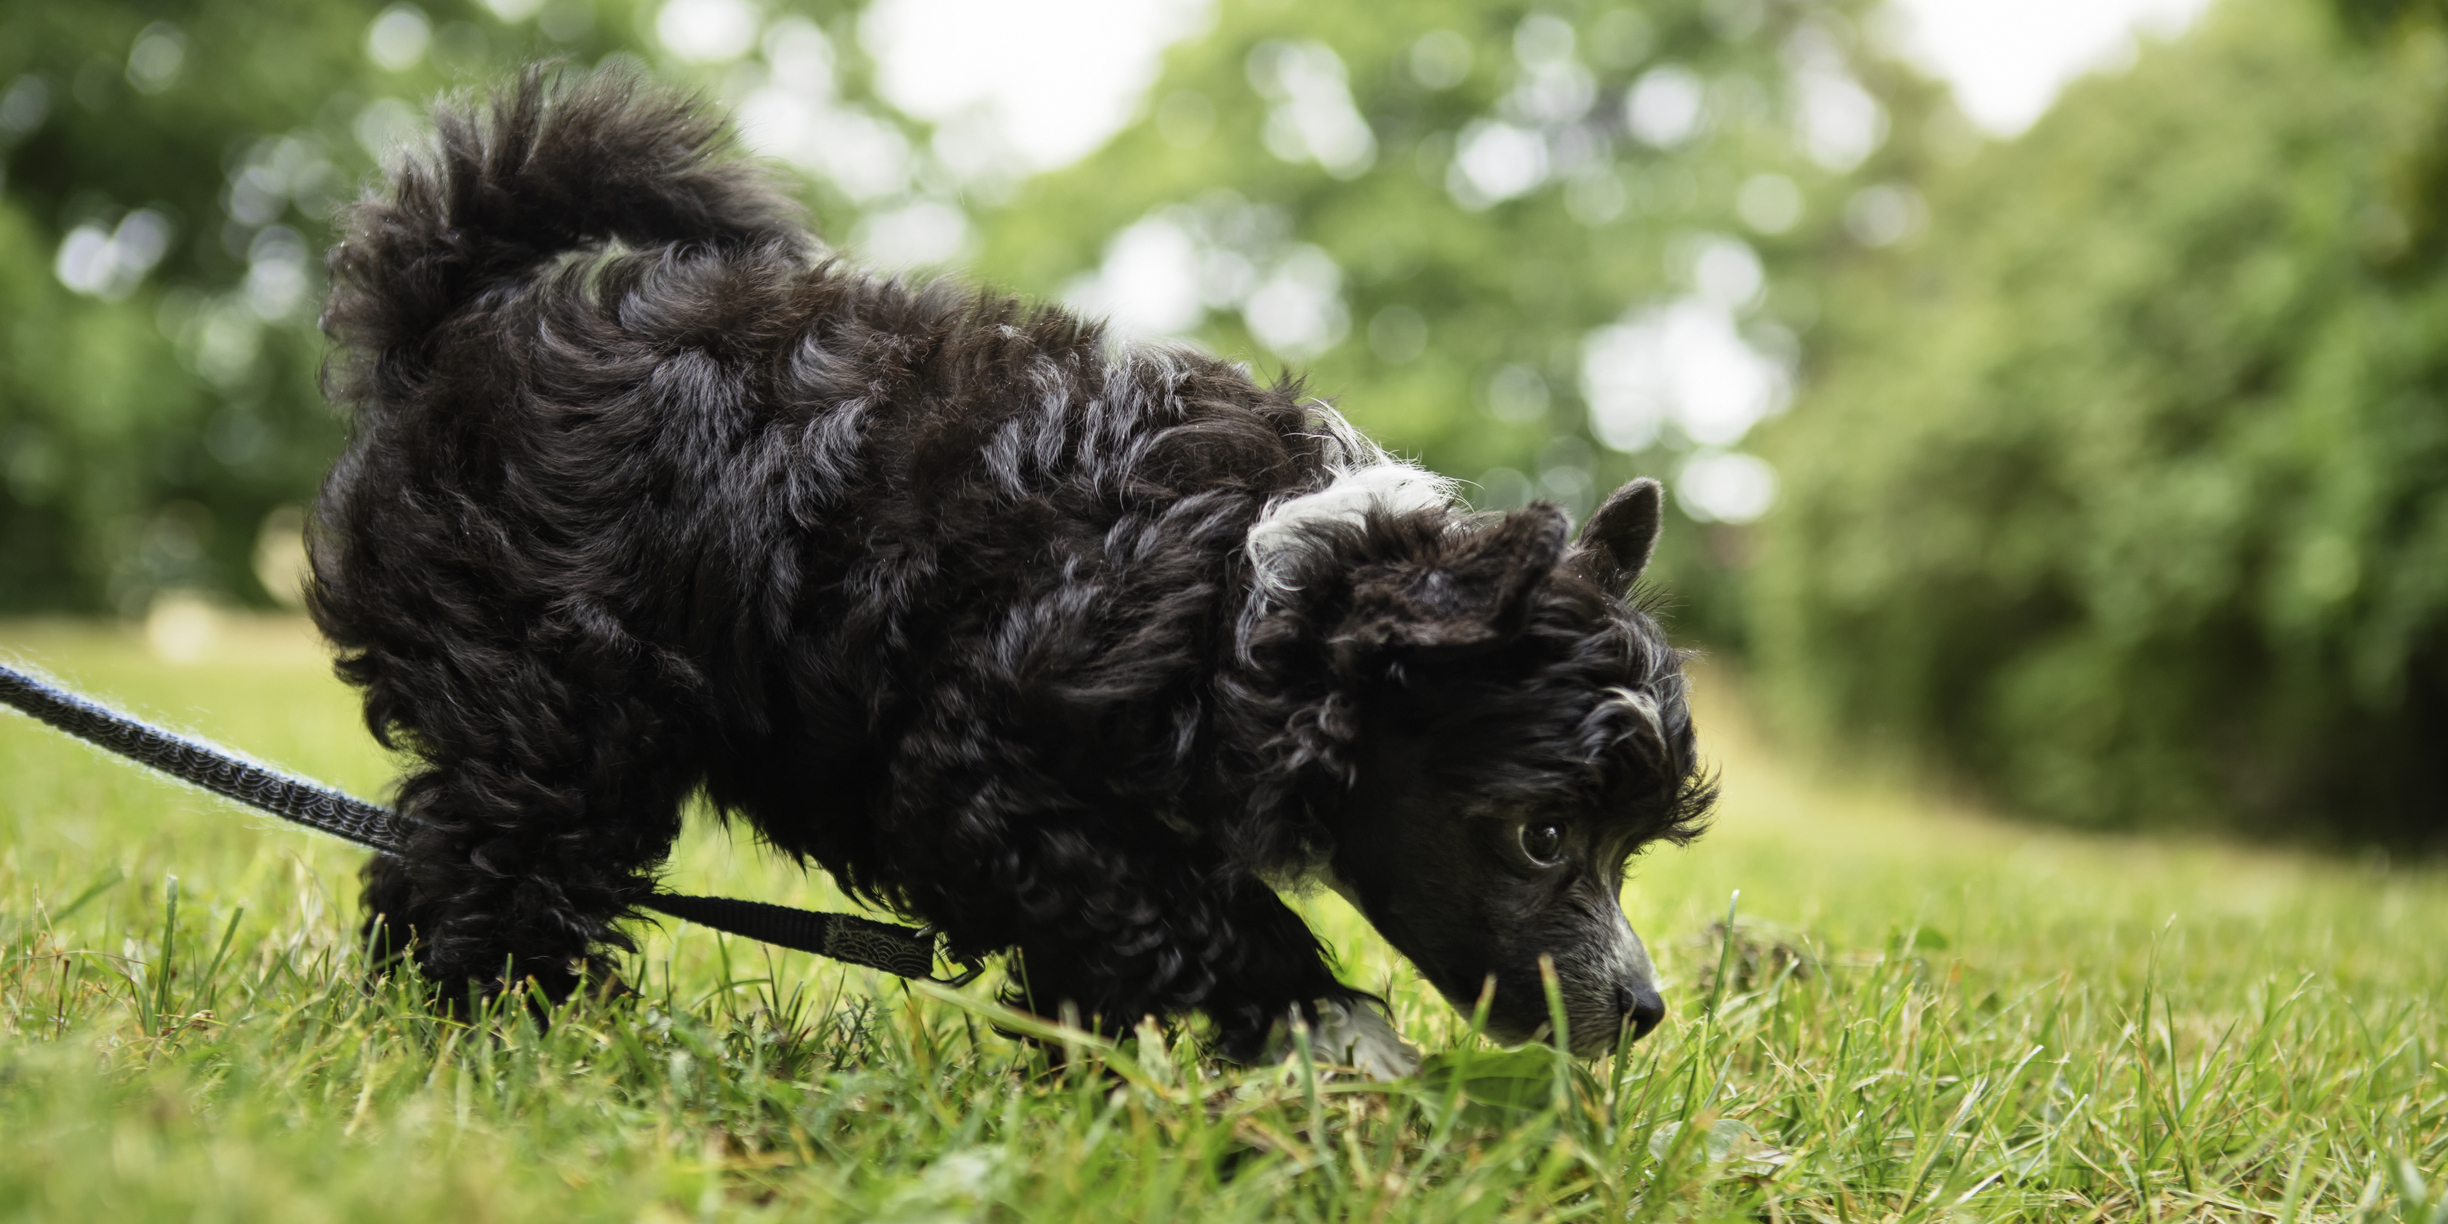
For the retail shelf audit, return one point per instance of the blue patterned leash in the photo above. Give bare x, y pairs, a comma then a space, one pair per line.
899, 950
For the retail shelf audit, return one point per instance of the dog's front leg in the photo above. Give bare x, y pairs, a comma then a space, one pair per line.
1255, 1010
1189, 940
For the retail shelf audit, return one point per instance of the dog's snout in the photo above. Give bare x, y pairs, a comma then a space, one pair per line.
1641, 1007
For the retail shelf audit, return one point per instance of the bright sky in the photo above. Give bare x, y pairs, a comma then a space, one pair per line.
1055, 77
2007, 58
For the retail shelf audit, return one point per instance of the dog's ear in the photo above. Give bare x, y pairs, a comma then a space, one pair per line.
1473, 595
1616, 542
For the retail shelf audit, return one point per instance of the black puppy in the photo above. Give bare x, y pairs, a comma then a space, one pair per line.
1064, 648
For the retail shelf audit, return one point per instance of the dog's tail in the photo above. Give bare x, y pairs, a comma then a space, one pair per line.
556, 163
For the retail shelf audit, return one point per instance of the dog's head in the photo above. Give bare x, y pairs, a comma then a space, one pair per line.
1520, 732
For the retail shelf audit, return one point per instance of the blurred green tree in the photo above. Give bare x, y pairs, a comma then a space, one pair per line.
170, 171
2124, 490
168, 175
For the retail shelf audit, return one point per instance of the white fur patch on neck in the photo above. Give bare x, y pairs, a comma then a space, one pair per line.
1365, 479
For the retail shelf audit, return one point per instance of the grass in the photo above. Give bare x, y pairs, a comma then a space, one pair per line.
1923, 1015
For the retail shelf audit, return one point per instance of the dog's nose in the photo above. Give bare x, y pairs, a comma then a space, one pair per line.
1641, 1008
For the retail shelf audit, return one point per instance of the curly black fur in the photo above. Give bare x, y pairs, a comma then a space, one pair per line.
932, 587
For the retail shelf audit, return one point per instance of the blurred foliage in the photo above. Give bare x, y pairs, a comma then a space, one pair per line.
2125, 489
168, 172
170, 169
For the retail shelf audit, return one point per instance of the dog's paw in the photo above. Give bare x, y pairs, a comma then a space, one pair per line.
1353, 1033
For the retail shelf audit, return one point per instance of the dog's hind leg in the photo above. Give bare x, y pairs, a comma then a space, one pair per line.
534, 833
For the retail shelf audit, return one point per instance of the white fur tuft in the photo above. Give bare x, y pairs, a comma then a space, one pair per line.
1643, 707
1366, 479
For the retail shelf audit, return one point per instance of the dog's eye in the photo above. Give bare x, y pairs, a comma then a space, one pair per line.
1544, 843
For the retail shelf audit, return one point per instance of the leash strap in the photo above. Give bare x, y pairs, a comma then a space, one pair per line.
210, 766
843, 937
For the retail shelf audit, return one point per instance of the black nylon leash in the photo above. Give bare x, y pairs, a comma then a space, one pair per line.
899, 950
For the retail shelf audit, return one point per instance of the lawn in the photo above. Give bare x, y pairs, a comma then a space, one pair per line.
1925, 1014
